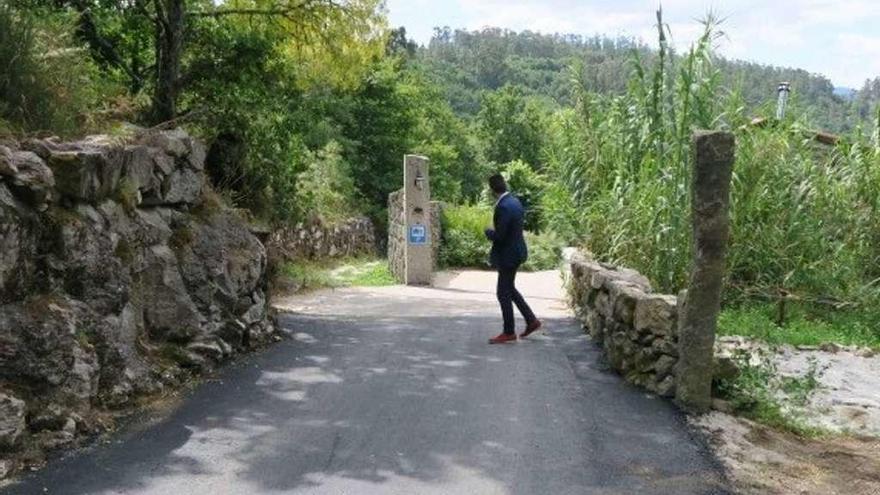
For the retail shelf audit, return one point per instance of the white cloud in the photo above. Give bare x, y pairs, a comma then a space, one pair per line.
860, 57
824, 12
547, 16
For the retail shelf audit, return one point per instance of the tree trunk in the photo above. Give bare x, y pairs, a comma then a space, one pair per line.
103, 50
169, 49
698, 315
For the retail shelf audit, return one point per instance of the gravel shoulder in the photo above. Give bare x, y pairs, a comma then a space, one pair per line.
762, 461
845, 406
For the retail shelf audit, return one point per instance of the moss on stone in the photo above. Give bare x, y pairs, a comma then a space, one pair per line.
209, 205
172, 354
128, 195
181, 237
83, 339
124, 251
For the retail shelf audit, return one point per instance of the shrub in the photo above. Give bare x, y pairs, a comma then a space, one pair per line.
325, 190
47, 82
558, 209
465, 245
464, 242
545, 251
529, 187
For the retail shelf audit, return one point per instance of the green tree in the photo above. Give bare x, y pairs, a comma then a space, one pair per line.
325, 189
458, 171
150, 40
400, 45
469, 63
379, 124
529, 187
511, 127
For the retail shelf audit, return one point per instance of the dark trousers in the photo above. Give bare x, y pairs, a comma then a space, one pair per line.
508, 296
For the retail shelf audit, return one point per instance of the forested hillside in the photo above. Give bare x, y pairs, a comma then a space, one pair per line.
468, 63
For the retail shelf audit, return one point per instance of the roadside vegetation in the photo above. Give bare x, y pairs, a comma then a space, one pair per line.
804, 214
306, 275
464, 243
805, 325
760, 393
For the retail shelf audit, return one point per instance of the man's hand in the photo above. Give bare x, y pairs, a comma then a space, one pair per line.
490, 234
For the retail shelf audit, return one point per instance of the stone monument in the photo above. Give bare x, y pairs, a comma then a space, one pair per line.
417, 211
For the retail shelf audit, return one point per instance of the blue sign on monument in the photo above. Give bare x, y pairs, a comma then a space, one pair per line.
418, 234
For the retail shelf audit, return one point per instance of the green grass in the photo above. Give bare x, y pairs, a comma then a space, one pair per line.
760, 393
357, 272
804, 325
464, 241
307, 275
363, 273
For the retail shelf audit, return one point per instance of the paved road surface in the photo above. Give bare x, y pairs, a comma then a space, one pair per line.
394, 391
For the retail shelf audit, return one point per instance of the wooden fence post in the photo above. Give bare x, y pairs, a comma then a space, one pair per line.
713, 154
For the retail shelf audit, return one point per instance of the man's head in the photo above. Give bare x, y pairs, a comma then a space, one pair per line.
497, 185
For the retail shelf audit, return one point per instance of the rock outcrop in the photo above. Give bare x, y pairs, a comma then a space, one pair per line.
120, 275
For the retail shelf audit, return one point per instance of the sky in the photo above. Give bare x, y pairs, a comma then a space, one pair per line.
837, 38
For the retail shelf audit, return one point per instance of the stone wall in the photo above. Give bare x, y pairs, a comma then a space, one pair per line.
437, 229
316, 240
636, 327
121, 275
397, 233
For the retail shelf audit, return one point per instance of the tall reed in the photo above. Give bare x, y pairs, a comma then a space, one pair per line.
804, 215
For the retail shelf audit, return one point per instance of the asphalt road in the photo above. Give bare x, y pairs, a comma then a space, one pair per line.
395, 391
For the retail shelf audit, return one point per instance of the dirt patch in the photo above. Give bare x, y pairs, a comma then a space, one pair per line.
759, 460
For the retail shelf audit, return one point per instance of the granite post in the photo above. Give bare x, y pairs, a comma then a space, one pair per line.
713, 154
417, 208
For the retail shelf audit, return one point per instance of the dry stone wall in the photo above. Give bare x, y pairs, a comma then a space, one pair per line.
636, 327
120, 276
316, 240
397, 233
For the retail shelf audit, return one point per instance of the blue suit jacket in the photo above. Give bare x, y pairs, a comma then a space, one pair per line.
508, 243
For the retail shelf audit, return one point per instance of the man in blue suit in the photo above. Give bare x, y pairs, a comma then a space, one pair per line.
509, 251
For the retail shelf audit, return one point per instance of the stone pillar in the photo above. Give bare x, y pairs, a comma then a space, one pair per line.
417, 206
713, 155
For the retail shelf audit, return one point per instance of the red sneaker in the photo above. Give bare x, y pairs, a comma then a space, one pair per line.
531, 328
503, 338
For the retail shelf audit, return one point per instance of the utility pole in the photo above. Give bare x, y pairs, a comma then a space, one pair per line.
877, 131
783, 90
